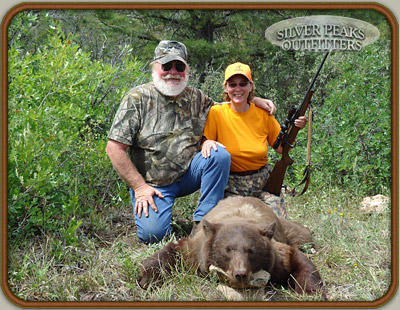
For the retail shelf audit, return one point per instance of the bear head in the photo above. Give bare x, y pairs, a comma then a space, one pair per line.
239, 249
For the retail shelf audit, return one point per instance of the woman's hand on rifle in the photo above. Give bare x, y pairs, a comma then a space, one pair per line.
301, 122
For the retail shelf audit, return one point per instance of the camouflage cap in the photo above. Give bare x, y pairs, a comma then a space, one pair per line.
167, 51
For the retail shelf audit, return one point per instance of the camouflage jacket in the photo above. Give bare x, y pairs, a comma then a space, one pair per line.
163, 133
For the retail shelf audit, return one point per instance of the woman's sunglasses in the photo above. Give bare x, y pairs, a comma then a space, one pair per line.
179, 66
241, 84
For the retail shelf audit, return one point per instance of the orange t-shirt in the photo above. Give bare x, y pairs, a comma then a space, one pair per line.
245, 135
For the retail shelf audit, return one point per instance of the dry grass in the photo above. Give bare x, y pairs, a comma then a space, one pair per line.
353, 257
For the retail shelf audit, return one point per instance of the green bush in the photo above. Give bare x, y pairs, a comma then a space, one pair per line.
352, 121
61, 104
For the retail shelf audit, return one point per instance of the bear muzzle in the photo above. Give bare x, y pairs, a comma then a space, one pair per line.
240, 275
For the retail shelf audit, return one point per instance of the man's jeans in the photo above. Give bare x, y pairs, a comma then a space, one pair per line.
210, 175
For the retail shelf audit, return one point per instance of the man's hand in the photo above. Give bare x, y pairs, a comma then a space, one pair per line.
144, 197
208, 145
265, 104
123, 165
270, 106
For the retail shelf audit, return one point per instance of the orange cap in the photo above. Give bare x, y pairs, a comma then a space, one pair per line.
238, 68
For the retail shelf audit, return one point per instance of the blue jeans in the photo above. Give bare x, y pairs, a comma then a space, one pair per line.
210, 175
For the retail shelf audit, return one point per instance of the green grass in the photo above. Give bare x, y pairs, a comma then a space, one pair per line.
353, 256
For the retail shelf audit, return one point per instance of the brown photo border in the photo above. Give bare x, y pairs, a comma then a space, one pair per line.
209, 6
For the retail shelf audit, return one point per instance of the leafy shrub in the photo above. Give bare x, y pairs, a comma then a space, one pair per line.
352, 124
61, 104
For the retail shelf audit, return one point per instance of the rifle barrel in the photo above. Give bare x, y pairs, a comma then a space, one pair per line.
312, 84
316, 74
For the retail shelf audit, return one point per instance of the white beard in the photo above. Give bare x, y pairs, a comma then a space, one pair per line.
170, 87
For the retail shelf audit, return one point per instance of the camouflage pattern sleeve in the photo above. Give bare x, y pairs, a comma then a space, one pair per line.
126, 121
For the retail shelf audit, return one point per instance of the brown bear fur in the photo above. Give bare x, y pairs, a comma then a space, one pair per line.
242, 235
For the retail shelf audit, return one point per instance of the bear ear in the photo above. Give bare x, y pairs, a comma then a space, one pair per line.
209, 228
268, 231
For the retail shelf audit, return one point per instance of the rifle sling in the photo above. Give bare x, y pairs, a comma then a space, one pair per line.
307, 170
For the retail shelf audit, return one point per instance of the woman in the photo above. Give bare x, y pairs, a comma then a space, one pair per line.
245, 131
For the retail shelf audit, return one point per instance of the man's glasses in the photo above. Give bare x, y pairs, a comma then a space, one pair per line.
241, 84
179, 66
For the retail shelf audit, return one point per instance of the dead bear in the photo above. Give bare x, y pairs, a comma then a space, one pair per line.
242, 235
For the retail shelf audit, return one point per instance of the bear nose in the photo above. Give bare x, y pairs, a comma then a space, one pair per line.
240, 274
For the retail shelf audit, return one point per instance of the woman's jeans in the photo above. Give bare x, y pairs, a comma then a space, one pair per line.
210, 175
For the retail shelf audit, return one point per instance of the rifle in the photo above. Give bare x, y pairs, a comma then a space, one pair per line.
287, 138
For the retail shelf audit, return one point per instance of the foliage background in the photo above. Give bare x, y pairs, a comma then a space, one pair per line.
68, 71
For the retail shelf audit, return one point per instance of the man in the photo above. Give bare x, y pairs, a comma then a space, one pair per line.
161, 123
